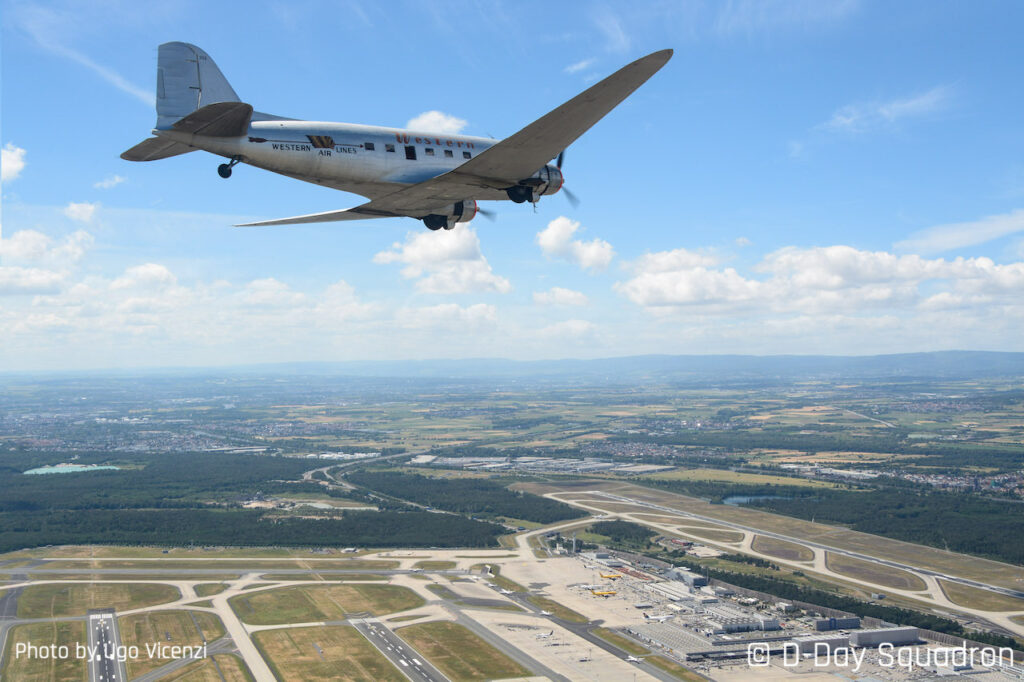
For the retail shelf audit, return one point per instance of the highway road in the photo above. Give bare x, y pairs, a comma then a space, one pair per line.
412, 663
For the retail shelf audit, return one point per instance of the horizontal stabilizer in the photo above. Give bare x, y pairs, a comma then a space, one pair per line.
156, 148
358, 213
223, 119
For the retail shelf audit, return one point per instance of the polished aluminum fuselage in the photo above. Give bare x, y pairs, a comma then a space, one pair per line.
344, 156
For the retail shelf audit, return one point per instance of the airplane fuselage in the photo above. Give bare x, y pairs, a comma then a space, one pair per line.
368, 160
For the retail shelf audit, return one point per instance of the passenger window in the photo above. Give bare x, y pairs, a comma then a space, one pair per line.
410, 152
369, 146
448, 153
389, 147
429, 151
466, 155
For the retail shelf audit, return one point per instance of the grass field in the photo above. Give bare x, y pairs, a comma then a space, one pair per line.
217, 668
210, 589
500, 580
621, 641
458, 653
434, 565
185, 628
712, 534
983, 600
235, 564
874, 573
322, 602
782, 549
37, 669
326, 576
336, 652
55, 600
674, 669
726, 476
557, 609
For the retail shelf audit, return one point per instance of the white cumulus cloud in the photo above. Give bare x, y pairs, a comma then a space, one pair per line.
556, 241
560, 296
445, 262
81, 212
450, 315
12, 162
109, 181
437, 122
820, 280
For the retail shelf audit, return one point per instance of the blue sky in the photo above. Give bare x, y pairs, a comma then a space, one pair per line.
803, 177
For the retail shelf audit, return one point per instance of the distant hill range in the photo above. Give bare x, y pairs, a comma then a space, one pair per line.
700, 368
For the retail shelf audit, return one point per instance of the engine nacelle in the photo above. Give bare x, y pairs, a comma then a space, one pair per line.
447, 217
548, 180
551, 180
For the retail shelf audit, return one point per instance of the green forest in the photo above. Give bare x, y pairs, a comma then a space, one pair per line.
474, 496
183, 527
184, 498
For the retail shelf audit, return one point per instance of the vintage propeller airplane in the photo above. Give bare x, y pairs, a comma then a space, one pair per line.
428, 176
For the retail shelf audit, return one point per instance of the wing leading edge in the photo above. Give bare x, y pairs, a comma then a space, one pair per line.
513, 159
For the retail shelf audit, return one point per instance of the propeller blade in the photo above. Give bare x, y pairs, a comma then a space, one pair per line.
573, 199
561, 158
487, 213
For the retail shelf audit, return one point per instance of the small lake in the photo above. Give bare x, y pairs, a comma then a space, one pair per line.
737, 500
70, 469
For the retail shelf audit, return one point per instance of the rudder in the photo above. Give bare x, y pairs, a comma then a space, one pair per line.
187, 79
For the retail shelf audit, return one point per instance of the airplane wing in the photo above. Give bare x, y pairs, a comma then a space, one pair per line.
363, 212
513, 159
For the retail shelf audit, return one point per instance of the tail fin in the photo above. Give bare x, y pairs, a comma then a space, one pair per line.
187, 79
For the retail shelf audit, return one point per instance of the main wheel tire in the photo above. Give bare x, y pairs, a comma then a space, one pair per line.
518, 194
435, 222
224, 170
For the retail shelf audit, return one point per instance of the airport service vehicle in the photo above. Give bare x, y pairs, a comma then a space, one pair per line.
436, 178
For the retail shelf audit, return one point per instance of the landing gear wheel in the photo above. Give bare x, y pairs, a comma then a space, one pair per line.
435, 222
519, 194
224, 170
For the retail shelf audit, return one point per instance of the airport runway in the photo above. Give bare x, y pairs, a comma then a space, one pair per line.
778, 536
104, 641
412, 664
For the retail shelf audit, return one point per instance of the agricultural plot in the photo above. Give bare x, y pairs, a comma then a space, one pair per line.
335, 652
322, 603
458, 653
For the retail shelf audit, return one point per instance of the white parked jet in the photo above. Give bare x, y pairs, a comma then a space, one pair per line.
428, 176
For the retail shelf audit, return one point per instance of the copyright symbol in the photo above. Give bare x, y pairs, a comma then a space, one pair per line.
758, 655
